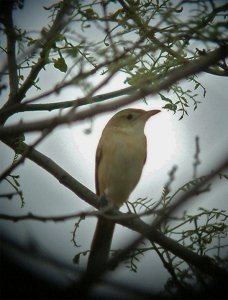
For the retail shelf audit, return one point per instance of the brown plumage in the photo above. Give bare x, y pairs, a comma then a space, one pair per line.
120, 157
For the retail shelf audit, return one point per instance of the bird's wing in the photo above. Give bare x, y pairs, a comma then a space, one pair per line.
103, 234
145, 152
98, 160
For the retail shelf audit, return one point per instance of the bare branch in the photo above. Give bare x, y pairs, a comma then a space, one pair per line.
33, 217
197, 161
8, 195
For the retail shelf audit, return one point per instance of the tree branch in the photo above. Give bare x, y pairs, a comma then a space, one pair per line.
73, 103
136, 224
195, 66
203, 263
8, 195
150, 33
46, 41
40, 218
6, 111
60, 174
222, 73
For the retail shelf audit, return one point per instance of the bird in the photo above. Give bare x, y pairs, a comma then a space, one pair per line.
120, 156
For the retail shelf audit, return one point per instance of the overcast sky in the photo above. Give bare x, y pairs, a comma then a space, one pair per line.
170, 142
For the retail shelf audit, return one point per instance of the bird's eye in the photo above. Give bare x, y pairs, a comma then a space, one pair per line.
129, 117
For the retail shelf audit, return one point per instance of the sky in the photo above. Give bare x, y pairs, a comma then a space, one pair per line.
170, 142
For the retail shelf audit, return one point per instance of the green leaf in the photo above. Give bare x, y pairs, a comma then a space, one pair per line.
73, 52
165, 98
115, 14
89, 11
31, 42
197, 85
59, 37
60, 64
170, 106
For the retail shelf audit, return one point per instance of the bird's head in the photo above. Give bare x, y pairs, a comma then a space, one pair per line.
131, 119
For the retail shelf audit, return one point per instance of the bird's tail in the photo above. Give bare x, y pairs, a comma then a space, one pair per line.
101, 245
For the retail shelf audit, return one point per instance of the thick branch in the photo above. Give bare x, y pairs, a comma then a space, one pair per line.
136, 224
60, 174
195, 66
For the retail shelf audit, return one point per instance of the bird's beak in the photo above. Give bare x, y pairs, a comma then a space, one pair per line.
150, 113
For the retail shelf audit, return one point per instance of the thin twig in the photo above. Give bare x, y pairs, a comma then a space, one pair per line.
197, 161
32, 217
9, 195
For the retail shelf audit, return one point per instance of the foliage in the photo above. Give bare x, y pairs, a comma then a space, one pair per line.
204, 232
15, 184
144, 46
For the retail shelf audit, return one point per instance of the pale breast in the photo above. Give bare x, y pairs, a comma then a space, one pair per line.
121, 166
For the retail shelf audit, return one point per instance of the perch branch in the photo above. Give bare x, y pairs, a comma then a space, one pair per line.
136, 224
